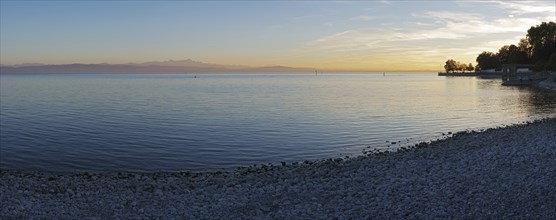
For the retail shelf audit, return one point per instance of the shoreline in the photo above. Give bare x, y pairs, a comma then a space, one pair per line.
549, 83
505, 172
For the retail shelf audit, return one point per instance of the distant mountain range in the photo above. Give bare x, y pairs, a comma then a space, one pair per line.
170, 66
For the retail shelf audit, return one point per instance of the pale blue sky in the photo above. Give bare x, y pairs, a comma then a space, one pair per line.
370, 35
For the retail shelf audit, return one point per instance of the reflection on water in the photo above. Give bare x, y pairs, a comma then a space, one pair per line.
174, 122
532, 101
539, 101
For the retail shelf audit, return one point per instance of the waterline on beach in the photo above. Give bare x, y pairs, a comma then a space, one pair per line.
173, 122
498, 173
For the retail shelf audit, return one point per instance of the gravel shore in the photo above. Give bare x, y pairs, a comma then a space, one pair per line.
498, 173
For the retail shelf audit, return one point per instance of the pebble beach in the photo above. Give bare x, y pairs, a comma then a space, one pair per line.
504, 172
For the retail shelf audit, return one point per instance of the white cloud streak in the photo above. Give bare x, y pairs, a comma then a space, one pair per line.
527, 7
363, 18
463, 34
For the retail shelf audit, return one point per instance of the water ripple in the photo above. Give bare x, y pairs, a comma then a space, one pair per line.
156, 122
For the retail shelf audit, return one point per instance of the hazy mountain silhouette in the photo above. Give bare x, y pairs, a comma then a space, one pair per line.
29, 64
190, 63
170, 66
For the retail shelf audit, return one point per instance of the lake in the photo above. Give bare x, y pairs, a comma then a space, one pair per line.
172, 122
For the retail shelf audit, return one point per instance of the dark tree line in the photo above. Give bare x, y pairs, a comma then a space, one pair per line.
456, 66
542, 39
488, 60
538, 48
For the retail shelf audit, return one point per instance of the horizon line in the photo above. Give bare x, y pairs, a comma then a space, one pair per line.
216, 65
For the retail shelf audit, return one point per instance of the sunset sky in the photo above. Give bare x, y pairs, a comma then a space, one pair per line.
328, 35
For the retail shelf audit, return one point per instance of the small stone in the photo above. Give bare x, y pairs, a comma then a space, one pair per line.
158, 192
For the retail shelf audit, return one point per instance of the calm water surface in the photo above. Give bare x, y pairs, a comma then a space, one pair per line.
169, 122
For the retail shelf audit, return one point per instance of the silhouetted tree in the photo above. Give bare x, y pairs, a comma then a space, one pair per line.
504, 54
462, 67
513, 54
518, 57
524, 46
451, 65
470, 67
487, 60
539, 48
542, 39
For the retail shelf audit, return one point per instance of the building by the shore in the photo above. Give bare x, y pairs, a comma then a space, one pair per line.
521, 74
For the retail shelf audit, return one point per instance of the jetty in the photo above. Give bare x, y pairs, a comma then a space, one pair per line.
457, 74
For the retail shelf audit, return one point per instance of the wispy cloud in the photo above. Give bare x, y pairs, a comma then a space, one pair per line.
303, 17
541, 10
442, 25
463, 34
363, 18
349, 40
526, 7
471, 23
448, 15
